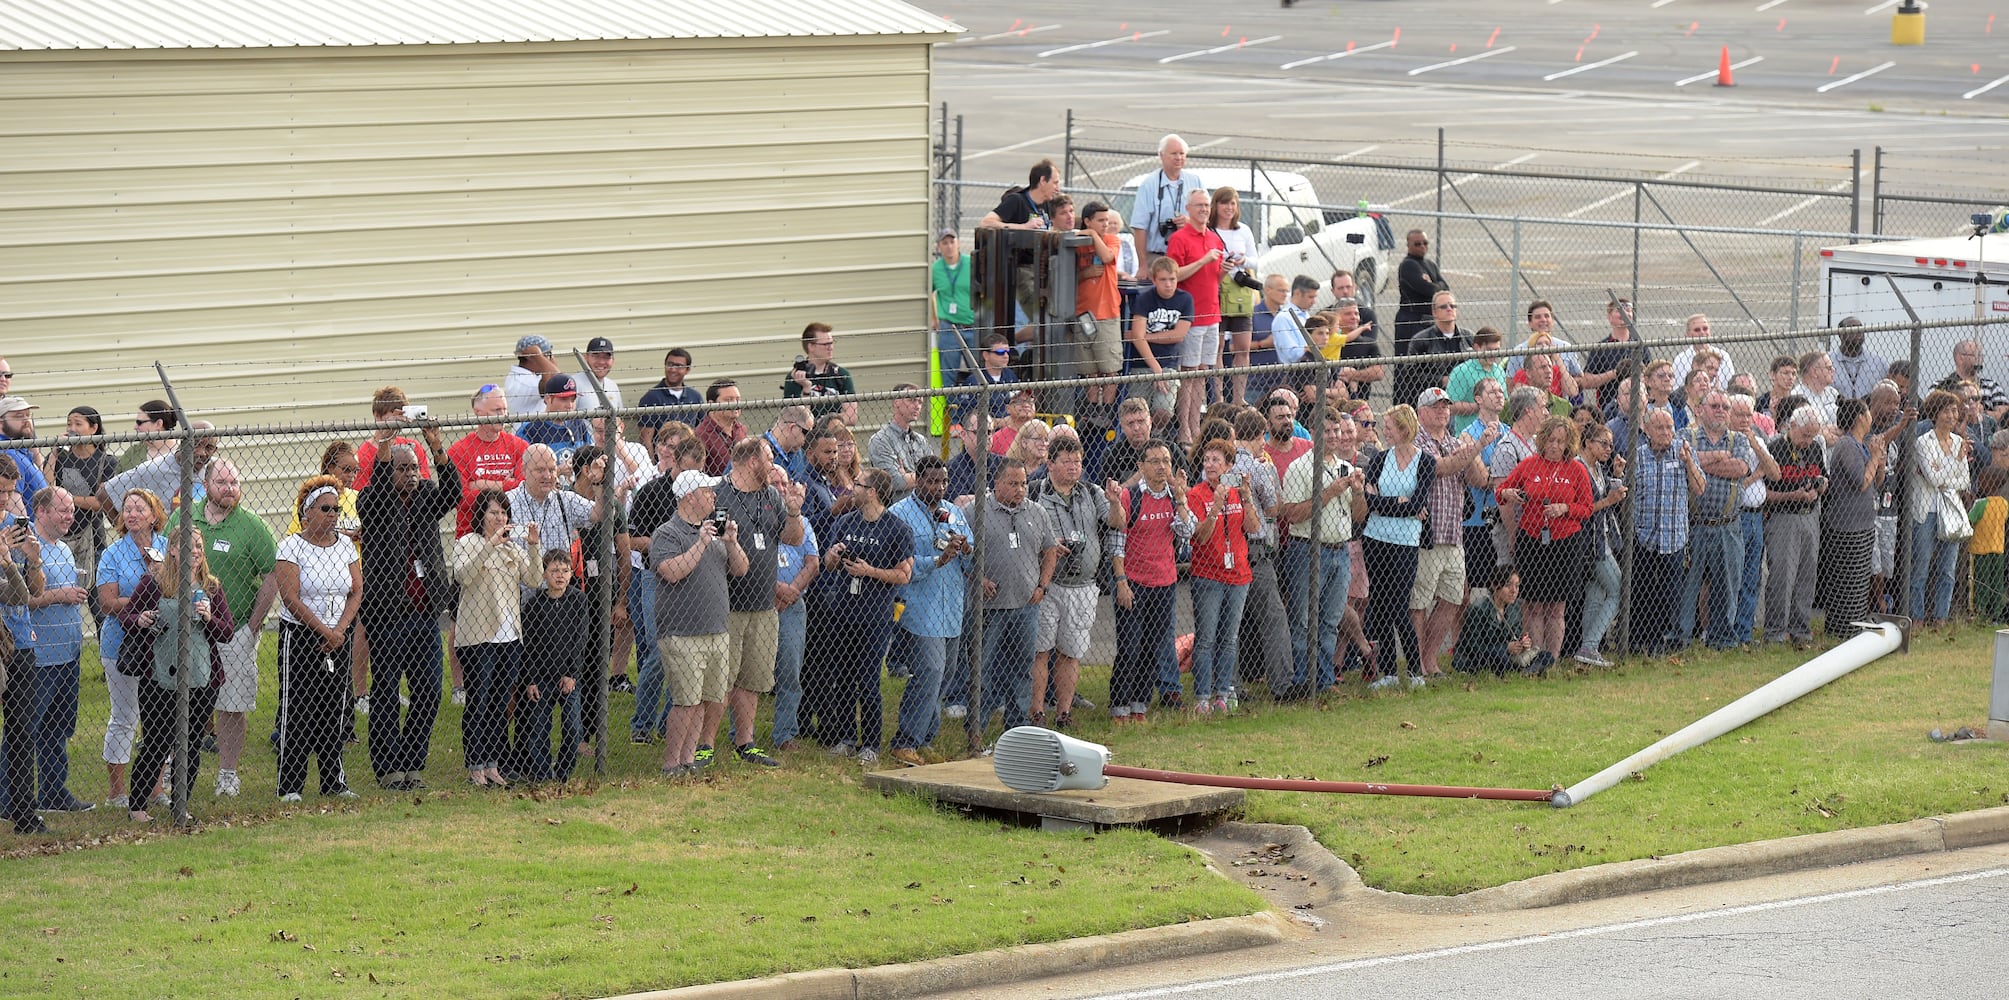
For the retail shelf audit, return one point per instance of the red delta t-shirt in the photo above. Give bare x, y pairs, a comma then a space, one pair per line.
1204, 285
500, 460
1150, 556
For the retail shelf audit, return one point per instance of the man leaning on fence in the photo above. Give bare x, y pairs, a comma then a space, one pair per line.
242, 551
1716, 545
405, 587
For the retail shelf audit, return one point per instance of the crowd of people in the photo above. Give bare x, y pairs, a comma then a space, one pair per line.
1358, 522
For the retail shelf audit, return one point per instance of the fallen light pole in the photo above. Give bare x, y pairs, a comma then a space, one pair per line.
1879, 637
1031, 759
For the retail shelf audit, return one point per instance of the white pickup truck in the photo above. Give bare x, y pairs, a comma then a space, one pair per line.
1296, 233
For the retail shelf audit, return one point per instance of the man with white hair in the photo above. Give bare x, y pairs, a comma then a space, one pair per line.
1161, 200
1716, 545
1793, 529
1697, 326
560, 515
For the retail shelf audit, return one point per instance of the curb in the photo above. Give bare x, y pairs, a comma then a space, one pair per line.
1954, 832
1018, 964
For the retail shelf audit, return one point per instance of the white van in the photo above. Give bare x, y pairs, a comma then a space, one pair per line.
1297, 236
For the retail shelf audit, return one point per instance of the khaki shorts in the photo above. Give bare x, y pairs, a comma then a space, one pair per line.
1105, 352
695, 668
1201, 348
1066, 617
1440, 576
240, 672
750, 645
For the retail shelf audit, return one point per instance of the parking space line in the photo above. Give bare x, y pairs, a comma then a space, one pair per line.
1021, 32
1466, 178
1984, 88
1657, 4
1768, 5
1144, 160
1608, 199
1338, 55
1809, 203
1364, 150
1753, 61
1461, 62
1242, 44
1132, 37
1587, 67
1021, 145
1845, 81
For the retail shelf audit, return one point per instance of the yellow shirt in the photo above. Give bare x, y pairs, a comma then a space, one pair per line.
1988, 527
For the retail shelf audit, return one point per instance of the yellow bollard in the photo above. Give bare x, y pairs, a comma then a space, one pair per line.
1907, 26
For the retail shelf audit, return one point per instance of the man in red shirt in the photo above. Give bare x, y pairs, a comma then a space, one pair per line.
1281, 443
1198, 251
388, 406
491, 458
720, 429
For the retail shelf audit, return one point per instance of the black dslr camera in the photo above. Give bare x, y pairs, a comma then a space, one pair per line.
1168, 226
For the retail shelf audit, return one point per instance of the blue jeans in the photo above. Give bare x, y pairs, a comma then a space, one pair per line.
52, 720
1217, 626
1335, 575
956, 353
1751, 524
793, 634
1932, 563
1715, 553
1142, 633
1600, 601
531, 749
649, 703
956, 665
1009, 634
921, 702
489, 670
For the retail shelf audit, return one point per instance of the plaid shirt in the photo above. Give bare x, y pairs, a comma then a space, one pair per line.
1660, 500
1718, 501
1446, 499
1262, 483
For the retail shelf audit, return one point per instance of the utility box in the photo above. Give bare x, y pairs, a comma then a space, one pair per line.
1998, 690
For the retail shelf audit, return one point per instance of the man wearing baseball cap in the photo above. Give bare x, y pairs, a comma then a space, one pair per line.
18, 421
560, 395
599, 361
533, 363
1437, 595
691, 555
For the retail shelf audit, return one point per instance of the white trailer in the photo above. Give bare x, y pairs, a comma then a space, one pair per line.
1948, 278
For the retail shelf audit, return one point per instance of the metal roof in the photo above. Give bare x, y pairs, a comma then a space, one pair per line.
46, 25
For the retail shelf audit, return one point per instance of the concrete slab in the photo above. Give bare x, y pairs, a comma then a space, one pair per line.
1125, 802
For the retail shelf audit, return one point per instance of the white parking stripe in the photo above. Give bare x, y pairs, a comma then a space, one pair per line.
1657, 4
1461, 62
1768, 5
1885, 5
1809, 203
1132, 37
1243, 44
1753, 61
1608, 199
1362, 151
1845, 81
1984, 88
1420, 195
1587, 67
1143, 160
1034, 30
1338, 55
1019, 145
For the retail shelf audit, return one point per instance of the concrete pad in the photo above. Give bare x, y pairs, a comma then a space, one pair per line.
1125, 802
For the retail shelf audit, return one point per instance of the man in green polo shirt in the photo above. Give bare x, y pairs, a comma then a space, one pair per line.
1465, 379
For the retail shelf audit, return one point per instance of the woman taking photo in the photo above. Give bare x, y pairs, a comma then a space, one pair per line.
1848, 519
1398, 485
488, 630
1939, 471
1608, 492
120, 571
1238, 302
151, 620
867, 558
1220, 575
1554, 492
320, 583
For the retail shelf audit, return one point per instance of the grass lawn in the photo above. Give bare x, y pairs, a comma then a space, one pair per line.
635, 883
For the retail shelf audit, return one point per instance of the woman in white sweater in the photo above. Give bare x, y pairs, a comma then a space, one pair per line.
1939, 468
488, 628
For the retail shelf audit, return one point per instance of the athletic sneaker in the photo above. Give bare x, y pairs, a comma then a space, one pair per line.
1221, 704
703, 758
841, 750
955, 712
1383, 684
341, 792
751, 754
460, 696
621, 683
227, 785
290, 797
1589, 658
907, 757
362, 704
1203, 706
868, 757
1415, 681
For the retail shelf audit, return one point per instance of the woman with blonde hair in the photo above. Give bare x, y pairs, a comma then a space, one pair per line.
120, 570
1030, 447
1398, 486
320, 582
151, 618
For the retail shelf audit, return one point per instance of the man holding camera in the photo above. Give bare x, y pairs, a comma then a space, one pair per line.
1081, 514
1320, 499
766, 518
816, 373
1021, 553
1160, 199
934, 596
692, 555
1437, 596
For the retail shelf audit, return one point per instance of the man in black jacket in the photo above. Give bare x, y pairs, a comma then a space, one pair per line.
406, 584
1417, 280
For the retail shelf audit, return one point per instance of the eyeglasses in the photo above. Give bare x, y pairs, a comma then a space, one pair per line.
824, 343
327, 508
6, 373
1445, 305
1366, 423
677, 364
1001, 352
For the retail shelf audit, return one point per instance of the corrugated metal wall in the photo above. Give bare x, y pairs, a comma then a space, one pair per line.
288, 231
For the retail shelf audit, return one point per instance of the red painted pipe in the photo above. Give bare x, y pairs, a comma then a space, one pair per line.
1307, 785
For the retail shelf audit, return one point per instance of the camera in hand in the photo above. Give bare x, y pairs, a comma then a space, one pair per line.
1243, 278
719, 520
1070, 564
945, 534
1167, 227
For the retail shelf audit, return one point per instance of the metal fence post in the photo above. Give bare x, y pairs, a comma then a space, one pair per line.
1514, 275
1638, 206
603, 637
184, 613
956, 199
977, 718
1437, 237
1793, 308
1876, 194
1855, 191
1067, 151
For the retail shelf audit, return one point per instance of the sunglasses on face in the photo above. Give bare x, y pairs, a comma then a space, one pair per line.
1001, 351
326, 508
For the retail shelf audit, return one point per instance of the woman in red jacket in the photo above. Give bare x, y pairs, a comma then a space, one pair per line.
1554, 492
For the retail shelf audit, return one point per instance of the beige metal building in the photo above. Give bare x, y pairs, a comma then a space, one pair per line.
293, 202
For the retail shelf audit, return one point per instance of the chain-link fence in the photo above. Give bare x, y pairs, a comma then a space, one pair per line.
382, 605
1903, 206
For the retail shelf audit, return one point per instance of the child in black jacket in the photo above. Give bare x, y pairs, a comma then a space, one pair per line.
554, 651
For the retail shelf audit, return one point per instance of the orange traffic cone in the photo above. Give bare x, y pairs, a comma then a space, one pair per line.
1723, 69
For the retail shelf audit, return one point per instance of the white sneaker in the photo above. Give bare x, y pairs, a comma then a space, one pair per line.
460, 696
1383, 684
290, 797
1415, 681
1589, 658
227, 785
955, 712
362, 704
868, 757
404, 700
